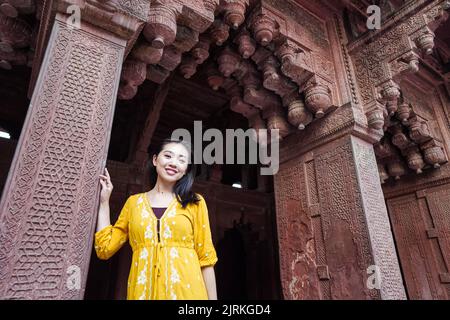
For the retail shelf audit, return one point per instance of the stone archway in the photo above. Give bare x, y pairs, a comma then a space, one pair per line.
292, 66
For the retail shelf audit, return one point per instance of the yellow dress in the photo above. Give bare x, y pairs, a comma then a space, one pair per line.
165, 269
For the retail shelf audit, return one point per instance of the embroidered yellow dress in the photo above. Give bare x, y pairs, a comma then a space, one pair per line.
168, 268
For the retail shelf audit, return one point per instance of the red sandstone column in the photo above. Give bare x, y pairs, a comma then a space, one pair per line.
49, 204
334, 233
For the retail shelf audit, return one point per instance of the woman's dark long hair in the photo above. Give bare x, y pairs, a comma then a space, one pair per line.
183, 187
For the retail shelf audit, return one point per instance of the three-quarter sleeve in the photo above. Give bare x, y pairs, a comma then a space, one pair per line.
202, 236
111, 238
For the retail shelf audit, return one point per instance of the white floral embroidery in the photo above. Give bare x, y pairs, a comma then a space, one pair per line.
144, 213
174, 253
171, 213
167, 233
184, 238
173, 296
148, 232
144, 254
142, 276
174, 277
139, 201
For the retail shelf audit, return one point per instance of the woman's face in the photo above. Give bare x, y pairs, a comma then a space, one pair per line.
172, 162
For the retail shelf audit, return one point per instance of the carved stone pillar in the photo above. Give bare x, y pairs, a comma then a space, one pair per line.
335, 239
49, 203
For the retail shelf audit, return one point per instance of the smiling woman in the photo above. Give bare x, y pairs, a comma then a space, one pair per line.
168, 230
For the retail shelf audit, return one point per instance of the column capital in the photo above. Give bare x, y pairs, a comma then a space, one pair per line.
116, 16
122, 18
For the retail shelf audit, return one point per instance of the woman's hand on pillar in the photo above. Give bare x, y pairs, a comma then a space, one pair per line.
107, 187
103, 219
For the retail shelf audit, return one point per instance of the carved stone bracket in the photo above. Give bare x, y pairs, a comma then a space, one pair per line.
408, 143
390, 56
